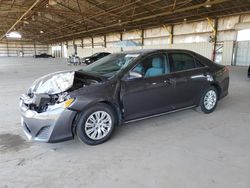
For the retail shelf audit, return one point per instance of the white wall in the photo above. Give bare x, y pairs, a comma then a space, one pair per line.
202, 48
13, 48
227, 54
193, 36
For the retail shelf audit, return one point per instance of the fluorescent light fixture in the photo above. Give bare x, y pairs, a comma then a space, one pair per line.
208, 4
52, 2
14, 35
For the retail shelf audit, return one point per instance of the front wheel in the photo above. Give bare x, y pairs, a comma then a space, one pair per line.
209, 100
96, 124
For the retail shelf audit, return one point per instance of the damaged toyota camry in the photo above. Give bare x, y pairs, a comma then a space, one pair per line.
117, 89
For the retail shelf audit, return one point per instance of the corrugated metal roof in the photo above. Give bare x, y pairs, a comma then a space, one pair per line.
68, 19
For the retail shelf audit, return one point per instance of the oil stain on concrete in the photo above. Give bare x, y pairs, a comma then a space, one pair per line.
12, 142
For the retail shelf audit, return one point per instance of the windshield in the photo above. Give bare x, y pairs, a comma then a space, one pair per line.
110, 65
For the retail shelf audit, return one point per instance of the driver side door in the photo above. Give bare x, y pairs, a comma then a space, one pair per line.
150, 94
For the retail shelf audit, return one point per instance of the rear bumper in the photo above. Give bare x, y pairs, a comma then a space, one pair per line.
224, 85
54, 125
223, 94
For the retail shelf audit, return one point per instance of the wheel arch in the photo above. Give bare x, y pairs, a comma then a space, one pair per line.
214, 84
217, 86
113, 106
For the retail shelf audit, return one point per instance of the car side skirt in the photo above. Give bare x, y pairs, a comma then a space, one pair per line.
160, 114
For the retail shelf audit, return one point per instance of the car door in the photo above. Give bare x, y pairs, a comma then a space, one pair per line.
188, 80
150, 94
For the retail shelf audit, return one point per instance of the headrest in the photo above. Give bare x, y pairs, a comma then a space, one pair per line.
156, 62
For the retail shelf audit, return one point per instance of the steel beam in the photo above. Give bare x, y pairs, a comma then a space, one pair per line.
141, 19
24, 14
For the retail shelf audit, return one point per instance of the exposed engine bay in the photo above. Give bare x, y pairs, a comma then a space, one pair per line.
55, 88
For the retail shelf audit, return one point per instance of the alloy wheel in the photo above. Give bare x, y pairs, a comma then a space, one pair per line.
98, 125
210, 99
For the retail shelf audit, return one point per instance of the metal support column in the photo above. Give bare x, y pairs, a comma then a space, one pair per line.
92, 42
121, 38
7, 45
170, 32
61, 49
22, 48
142, 38
82, 42
34, 48
105, 41
171, 36
214, 36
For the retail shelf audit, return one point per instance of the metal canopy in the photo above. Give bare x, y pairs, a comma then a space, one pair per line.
51, 21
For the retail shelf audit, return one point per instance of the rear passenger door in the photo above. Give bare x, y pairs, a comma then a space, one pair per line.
184, 68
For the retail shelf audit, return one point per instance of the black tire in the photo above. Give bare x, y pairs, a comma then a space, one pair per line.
203, 107
80, 129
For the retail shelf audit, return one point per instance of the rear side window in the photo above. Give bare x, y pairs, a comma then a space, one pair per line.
181, 62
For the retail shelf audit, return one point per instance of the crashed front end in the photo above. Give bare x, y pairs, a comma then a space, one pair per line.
45, 115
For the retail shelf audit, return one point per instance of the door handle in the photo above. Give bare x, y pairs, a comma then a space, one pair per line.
151, 84
171, 81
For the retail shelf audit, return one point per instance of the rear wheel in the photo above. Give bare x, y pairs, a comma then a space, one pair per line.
96, 124
209, 100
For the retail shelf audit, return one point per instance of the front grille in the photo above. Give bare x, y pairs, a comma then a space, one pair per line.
43, 133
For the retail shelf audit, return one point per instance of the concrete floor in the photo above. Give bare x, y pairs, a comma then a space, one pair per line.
187, 149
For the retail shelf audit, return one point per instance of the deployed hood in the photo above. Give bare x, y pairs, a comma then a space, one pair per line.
59, 82
53, 83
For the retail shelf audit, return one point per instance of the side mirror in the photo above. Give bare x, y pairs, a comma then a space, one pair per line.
133, 75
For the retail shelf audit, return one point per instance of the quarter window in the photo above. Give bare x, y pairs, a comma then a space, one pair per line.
181, 62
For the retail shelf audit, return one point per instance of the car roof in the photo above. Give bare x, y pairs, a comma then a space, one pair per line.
145, 51
102, 52
150, 51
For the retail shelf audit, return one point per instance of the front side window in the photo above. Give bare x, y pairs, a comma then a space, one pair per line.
181, 62
152, 66
110, 65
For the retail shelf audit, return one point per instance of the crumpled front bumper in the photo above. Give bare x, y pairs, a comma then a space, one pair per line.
53, 125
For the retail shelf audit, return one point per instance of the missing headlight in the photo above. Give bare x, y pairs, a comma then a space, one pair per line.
62, 97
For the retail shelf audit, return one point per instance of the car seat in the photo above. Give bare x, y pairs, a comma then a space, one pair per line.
140, 69
156, 69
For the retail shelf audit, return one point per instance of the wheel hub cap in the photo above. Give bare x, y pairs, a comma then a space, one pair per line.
210, 99
98, 125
